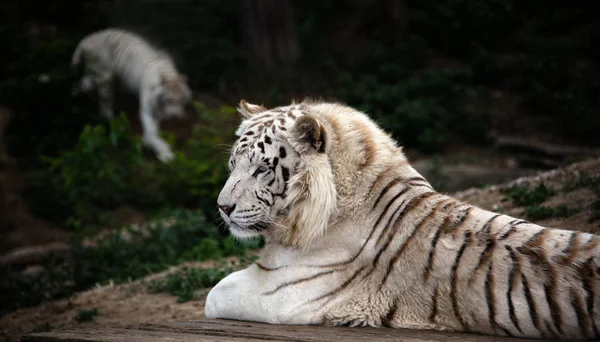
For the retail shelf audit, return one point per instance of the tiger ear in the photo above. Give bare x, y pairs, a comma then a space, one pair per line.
309, 134
312, 196
247, 110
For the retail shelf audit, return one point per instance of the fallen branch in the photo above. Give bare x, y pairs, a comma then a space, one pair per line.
32, 255
550, 150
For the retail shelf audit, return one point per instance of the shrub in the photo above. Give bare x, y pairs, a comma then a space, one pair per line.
123, 255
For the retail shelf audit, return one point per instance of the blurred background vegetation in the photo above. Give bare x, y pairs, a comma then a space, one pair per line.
438, 75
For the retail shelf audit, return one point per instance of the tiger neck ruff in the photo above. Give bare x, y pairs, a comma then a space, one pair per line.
355, 236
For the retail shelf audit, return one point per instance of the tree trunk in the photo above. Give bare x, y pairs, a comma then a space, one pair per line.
270, 31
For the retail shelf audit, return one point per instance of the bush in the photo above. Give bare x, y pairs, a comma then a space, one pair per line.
123, 255
96, 174
106, 169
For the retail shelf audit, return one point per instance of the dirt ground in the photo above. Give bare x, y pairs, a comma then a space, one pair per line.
131, 304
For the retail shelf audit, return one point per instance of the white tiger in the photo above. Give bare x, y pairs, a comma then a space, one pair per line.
151, 73
356, 236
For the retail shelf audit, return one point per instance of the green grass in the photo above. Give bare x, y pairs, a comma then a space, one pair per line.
523, 195
586, 181
532, 198
184, 282
538, 212
180, 235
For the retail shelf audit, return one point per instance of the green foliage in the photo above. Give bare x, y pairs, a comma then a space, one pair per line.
532, 199
523, 195
98, 170
123, 255
85, 315
538, 212
583, 180
427, 109
106, 169
184, 282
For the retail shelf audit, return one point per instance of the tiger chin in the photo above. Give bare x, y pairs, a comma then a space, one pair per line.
355, 236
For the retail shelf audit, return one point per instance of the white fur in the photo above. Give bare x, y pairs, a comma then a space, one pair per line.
162, 91
392, 250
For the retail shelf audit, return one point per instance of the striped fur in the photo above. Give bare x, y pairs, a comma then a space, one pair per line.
393, 252
151, 73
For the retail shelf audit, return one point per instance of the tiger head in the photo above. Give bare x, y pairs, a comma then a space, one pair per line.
174, 95
281, 183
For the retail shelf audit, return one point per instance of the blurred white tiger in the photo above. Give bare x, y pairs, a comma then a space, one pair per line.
356, 236
163, 91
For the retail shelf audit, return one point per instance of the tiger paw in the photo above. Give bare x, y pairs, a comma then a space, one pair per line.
165, 156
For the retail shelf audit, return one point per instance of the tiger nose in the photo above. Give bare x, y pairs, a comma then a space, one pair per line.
227, 209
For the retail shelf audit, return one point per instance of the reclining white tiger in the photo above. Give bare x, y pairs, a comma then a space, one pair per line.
162, 90
355, 236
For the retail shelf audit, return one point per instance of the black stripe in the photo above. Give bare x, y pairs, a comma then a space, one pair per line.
434, 307
454, 280
442, 229
396, 257
385, 190
285, 173
415, 179
282, 152
553, 333
262, 199
513, 224
295, 282
486, 254
412, 203
571, 243
582, 319
487, 227
389, 223
532, 249
515, 270
585, 274
389, 204
339, 288
490, 297
387, 319
550, 291
268, 269
535, 319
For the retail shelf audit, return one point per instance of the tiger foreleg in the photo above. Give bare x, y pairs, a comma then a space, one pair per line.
242, 295
151, 134
105, 95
